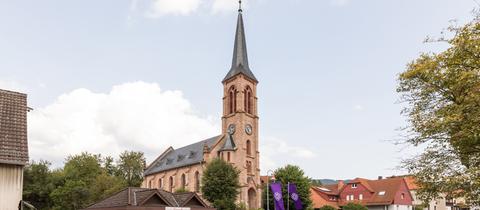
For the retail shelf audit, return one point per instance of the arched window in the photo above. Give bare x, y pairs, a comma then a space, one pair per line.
160, 183
150, 183
249, 147
171, 184
248, 100
197, 181
184, 181
228, 156
232, 100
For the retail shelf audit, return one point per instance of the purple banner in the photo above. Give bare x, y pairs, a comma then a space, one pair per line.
277, 195
292, 189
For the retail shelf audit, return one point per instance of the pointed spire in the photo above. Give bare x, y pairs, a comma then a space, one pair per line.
240, 58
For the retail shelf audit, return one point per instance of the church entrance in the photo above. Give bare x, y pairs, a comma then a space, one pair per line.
252, 199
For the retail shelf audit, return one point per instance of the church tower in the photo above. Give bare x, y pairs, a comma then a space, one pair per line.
240, 120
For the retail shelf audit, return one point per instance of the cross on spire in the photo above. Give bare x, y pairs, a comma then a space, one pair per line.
240, 6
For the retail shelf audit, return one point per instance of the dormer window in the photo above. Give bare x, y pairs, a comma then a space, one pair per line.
180, 158
169, 161
402, 196
381, 193
354, 185
192, 154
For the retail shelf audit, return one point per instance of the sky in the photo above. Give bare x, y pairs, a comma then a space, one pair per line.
114, 75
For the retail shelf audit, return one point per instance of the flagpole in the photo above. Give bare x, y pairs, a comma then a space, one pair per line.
268, 195
288, 196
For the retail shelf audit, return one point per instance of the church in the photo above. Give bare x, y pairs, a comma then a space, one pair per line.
237, 143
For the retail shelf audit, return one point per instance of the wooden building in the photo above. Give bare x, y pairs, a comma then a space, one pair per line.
134, 198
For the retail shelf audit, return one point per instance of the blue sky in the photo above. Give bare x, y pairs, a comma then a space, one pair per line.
327, 72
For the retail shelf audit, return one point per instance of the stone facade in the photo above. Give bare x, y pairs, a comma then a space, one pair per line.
238, 143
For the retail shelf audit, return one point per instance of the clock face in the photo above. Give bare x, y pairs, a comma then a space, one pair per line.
231, 129
248, 129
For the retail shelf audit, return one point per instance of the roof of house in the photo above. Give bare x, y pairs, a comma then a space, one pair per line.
188, 155
331, 189
319, 201
364, 182
134, 196
390, 186
240, 57
411, 183
383, 190
13, 128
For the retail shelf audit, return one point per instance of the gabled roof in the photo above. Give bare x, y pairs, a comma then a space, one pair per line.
13, 128
390, 186
411, 182
188, 155
320, 201
134, 196
383, 191
331, 189
364, 182
240, 57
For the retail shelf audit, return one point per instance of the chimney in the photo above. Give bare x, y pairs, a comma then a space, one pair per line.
380, 177
340, 184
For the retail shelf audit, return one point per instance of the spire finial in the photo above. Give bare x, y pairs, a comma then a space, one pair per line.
240, 6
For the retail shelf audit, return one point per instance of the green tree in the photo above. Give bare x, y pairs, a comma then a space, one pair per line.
354, 206
109, 166
74, 194
130, 166
80, 173
220, 184
327, 207
291, 174
181, 190
442, 93
38, 184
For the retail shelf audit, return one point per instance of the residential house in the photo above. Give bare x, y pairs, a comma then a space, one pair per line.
381, 194
134, 198
443, 202
13, 147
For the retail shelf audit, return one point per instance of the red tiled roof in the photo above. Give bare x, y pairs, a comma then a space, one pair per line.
319, 201
390, 186
411, 183
13, 128
331, 189
364, 182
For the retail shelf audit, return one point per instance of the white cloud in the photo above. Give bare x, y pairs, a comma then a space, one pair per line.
161, 8
339, 3
135, 116
132, 116
221, 6
173, 7
358, 107
7, 84
275, 152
